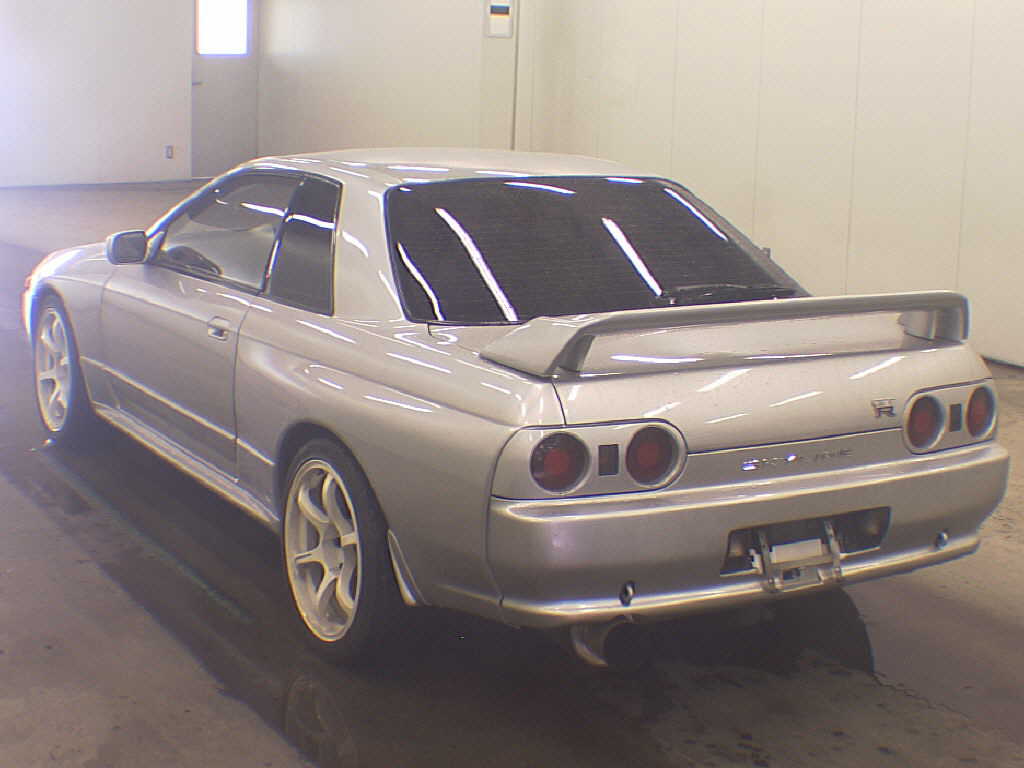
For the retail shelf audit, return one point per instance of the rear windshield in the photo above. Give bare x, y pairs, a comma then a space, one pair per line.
508, 250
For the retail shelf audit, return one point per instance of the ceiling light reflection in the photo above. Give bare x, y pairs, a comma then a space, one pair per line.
543, 187
707, 223
397, 404
419, 278
423, 168
259, 208
656, 360
876, 368
496, 388
725, 378
326, 331
421, 363
727, 418
797, 398
350, 173
503, 173
331, 384
481, 266
318, 223
352, 240
661, 410
634, 258
409, 337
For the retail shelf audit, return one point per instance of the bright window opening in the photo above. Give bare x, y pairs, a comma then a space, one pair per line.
222, 27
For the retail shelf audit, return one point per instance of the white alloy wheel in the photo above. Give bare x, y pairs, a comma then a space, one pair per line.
53, 369
322, 550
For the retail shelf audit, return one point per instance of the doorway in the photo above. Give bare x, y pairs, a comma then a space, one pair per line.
225, 72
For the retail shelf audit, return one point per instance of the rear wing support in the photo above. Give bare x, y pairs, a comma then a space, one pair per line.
545, 346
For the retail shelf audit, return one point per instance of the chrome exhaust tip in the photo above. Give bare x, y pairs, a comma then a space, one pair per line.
589, 640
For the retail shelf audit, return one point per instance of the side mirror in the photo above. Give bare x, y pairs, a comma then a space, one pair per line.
127, 247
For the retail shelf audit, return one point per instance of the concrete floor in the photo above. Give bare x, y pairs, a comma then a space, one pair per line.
143, 622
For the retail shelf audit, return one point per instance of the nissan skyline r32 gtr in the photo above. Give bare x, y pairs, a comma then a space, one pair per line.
541, 389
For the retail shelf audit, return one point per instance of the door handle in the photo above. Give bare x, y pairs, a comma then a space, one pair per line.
218, 328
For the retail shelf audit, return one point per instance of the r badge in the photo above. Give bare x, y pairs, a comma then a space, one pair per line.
884, 408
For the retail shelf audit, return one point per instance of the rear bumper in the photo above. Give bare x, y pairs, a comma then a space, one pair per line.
566, 561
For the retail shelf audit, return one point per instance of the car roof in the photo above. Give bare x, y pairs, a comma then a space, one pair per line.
383, 168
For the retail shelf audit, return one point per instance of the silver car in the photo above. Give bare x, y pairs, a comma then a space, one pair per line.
541, 389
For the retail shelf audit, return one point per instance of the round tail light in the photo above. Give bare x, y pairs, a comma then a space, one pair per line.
981, 409
924, 422
650, 455
558, 462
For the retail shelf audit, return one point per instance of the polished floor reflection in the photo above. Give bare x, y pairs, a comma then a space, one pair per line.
450, 684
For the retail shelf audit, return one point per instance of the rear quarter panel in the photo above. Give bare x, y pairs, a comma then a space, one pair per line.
425, 418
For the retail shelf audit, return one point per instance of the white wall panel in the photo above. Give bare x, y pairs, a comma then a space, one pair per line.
93, 92
364, 73
805, 138
991, 269
561, 88
718, 72
910, 144
596, 79
635, 114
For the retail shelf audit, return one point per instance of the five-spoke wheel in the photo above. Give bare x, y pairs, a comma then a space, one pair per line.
53, 368
335, 551
322, 550
60, 394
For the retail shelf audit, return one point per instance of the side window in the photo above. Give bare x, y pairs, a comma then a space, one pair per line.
303, 270
228, 233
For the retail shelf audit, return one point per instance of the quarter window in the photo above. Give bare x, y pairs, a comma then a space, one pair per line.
227, 234
302, 273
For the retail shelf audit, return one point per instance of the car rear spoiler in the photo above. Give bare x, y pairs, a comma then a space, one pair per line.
545, 346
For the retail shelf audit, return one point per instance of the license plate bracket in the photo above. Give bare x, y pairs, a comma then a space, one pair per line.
788, 565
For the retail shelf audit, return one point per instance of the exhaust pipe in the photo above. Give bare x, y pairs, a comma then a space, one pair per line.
588, 640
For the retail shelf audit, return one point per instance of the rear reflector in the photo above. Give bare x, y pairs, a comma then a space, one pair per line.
608, 460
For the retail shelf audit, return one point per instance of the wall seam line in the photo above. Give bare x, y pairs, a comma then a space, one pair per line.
967, 141
675, 98
517, 30
757, 121
853, 150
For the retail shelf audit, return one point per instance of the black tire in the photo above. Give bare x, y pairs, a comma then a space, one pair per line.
335, 554
62, 400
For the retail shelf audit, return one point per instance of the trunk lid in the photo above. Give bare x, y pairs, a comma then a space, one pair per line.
756, 373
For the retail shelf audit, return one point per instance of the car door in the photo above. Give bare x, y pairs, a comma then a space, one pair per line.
170, 325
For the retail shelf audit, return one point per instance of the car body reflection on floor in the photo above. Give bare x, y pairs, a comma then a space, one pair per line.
451, 690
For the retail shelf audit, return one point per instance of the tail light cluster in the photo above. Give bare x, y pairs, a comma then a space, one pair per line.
950, 417
589, 459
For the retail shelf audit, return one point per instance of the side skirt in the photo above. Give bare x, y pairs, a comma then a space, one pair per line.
210, 476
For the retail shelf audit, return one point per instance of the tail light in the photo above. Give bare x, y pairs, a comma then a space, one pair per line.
651, 454
588, 460
924, 424
558, 462
981, 410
